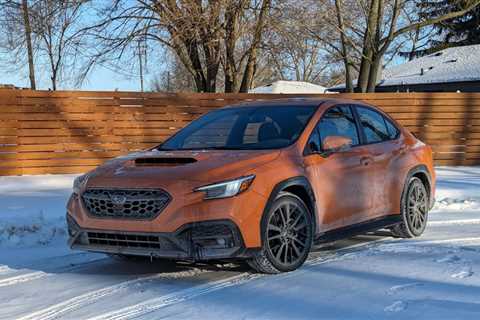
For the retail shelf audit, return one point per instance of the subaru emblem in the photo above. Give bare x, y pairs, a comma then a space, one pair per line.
118, 200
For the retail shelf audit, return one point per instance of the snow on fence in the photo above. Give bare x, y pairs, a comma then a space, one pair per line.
70, 131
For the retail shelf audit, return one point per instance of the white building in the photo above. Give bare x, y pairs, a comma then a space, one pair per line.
283, 86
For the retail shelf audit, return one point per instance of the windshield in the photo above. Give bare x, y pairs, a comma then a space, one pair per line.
243, 128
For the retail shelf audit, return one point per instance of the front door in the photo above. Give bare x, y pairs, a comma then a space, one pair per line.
340, 175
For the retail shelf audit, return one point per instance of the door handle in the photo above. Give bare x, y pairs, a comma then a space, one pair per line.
366, 161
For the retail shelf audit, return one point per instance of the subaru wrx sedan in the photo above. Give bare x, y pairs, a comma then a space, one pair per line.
261, 181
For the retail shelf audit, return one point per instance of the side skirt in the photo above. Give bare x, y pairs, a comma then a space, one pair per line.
356, 229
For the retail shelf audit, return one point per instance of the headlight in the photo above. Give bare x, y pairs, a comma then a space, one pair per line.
79, 182
226, 189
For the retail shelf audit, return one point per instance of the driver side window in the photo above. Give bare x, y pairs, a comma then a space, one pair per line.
337, 122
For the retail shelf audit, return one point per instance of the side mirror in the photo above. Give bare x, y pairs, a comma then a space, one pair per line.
314, 148
336, 143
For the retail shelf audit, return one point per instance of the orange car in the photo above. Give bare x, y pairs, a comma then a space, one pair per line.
261, 181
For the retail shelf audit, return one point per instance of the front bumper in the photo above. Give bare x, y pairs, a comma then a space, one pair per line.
208, 240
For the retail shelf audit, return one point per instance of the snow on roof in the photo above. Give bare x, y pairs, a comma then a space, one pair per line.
449, 65
283, 86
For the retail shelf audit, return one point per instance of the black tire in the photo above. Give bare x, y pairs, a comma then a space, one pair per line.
414, 206
287, 236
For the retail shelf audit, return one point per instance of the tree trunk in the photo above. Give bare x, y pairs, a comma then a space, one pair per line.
345, 55
376, 60
200, 82
54, 81
252, 57
367, 52
28, 39
212, 65
231, 36
186, 59
375, 69
198, 73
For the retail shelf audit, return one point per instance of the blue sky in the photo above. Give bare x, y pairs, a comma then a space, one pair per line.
100, 79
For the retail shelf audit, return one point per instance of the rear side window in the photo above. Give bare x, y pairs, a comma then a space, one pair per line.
373, 125
339, 121
392, 130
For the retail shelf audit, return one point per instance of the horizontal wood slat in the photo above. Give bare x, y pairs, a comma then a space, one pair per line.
74, 131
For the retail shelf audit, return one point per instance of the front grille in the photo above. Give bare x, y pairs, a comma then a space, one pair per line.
129, 240
125, 204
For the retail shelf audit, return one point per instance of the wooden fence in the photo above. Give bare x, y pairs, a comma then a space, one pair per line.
70, 132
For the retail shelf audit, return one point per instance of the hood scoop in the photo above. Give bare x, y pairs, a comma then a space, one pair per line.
167, 161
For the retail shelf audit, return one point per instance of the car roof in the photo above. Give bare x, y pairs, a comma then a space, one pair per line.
297, 102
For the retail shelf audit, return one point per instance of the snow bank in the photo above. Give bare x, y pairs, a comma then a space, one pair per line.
32, 209
457, 189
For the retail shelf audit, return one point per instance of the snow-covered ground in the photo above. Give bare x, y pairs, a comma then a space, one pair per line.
436, 276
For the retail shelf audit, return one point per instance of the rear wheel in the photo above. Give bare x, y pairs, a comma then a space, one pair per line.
415, 205
287, 235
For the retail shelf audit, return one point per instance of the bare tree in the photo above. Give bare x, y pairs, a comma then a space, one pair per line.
337, 26
206, 36
47, 36
293, 53
384, 26
17, 33
174, 77
56, 23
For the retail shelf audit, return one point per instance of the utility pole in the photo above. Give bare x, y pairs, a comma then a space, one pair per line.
140, 61
168, 81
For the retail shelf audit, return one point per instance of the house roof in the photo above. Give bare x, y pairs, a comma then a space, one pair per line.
283, 86
456, 64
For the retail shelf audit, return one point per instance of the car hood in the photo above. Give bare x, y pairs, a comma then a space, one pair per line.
152, 169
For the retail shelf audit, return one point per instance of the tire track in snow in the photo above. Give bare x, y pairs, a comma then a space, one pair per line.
22, 278
75, 303
155, 304
440, 241
31, 276
176, 297
454, 222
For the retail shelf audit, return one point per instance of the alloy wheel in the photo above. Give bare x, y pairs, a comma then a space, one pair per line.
288, 233
417, 207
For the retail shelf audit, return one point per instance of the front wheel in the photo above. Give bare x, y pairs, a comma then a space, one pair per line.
287, 236
415, 205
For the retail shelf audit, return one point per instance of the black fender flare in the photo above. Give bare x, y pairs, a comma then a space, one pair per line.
300, 181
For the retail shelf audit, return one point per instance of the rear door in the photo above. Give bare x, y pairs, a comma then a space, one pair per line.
382, 145
341, 178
